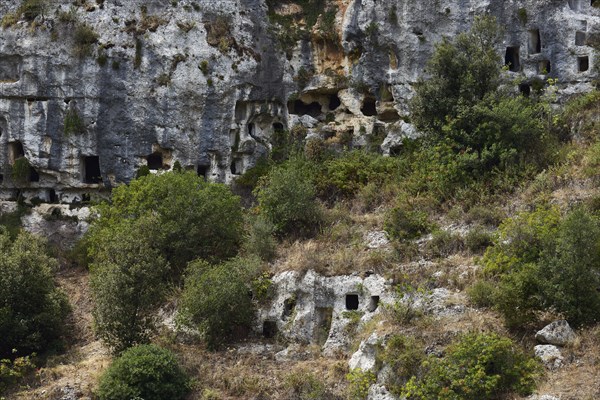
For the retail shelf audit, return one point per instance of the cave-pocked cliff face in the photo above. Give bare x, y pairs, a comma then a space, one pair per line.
209, 83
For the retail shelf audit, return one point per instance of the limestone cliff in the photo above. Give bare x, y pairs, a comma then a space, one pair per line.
90, 92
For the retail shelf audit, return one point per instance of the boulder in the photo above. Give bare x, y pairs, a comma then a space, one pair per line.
365, 357
558, 333
550, 355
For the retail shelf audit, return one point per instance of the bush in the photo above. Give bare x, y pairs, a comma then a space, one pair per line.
144, 372
304, 385
84, 37
477, 366
196, 219
444, 243
359, 382
404, 223
32, 309
287, 198
21, 171
30, 9
215, 299
128, 275
260, 241
73, 123
13, 371
403, 356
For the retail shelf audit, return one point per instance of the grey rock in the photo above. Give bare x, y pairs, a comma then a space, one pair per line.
376, 239
542, 397
550, 355
379, 392
365, 357
558, 333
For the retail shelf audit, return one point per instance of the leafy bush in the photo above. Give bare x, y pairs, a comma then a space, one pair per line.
444, 243
196, 219
477, 366
32, 309
260, 240
359, 383
21, 170
11, 371
478, 239
404, 223
73, 123
30, 9
403, 356
287, 198
84, 37
127, 280
144, 372
215, 299
305, 385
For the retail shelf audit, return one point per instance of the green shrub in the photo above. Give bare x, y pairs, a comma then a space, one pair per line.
481, 293
30, 9
21, 171
32, 308
287, 198
144, 372
403, 356
196, 219
478, 239
128, 275
12, 371
260, 240
305, 385
84, 37
444, 243
359, 382
477, 366
215, 299
73, 123
404, 223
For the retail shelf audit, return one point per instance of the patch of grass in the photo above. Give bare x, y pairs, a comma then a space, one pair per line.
73, 123
84, 38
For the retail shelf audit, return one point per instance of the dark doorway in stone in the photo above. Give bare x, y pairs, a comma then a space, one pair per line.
334, 102
250, 129
580, 38
278, 127
535, 42
52, 197
544, 67
298, 107
15, 151
91, 170
583, 63
369, 108
289, 305
525, 89
511, 59
373, 303
155, 161
324, 316
202, 170
351, 302
269, 329
34, 176
1, 178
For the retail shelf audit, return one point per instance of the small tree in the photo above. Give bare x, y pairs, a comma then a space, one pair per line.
128, 277
287, 198
144, 372
32, 309
215, 299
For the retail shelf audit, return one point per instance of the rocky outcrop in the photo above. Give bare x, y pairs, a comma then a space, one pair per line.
558, 333
549, 355
208, 84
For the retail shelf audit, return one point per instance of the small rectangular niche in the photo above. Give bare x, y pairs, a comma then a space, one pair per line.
202, 171
15, 151
91, 170
269, 329
236, 166
580, 38
544, 67
511, 59
373, 303
535, 42
583, 63
352, 302
155, 161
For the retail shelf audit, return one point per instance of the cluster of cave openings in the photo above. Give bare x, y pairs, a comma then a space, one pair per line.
155, 161
580, 38
583, 63
269, 329
511, 59
91, 170
369, 108
299, 107
289, 305
535, 42
544, 67
351, 302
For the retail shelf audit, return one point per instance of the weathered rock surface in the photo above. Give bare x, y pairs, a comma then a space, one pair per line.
550, 355
558, 333
207, 84
365, 357
310, 308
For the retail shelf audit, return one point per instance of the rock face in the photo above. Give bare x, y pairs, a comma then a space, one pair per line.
310, 308
209, 84
558, 333
550, 355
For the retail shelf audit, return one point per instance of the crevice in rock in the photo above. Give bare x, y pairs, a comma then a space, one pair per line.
511, 59
373, 303
369, 108
269, 329
535, 42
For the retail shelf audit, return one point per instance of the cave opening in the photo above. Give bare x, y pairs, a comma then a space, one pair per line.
15, 151
52, 197
535, 42
289, 305
236, 167
202, 170
544, 67
269, 329
334, 102
583, 63
91, 170
351, 302
299, 107
373, 303
525, 89
155, 161
34, 176
511, 59
369, 108
278, 127
580, 38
